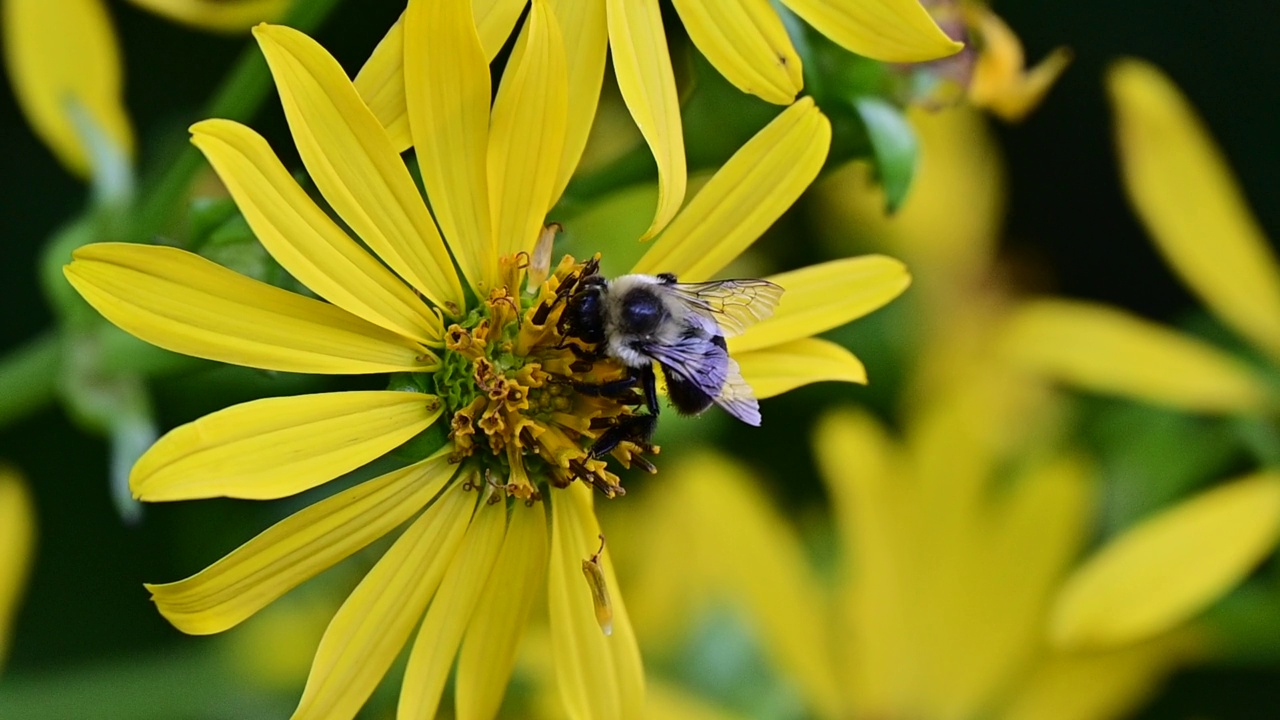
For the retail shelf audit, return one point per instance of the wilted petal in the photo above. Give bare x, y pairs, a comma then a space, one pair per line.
373, 624
1103, 349
222, 15
818, 298
1169, 567
450, 613
276, 447
777, 369
745, 196
62, 57
17, 538
888, 30
1184, 192
528, 130
746, 41
181, 302
1001, 82
353, 163
642, 64
447, 79
488, 651
597, 675
298, 548
304, 239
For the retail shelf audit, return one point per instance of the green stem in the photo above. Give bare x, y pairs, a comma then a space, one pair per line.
29, 377
237, 99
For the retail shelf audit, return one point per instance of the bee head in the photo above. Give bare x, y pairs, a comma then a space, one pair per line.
583, 316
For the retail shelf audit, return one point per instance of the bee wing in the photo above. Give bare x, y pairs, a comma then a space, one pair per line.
706, 366
734, 304
737, 398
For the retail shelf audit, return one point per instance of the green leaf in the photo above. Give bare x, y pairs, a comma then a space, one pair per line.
893, 147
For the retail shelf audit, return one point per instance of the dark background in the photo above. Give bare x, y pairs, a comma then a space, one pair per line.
1067, 210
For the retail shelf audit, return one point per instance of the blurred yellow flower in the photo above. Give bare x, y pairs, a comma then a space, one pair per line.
480, 350
17, 547
954, 595
1001, 82
744, 39
1184, 193
64, 64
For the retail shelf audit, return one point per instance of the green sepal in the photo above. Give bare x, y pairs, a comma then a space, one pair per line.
894, 147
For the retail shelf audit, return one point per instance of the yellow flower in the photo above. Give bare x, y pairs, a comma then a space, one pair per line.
64, 65
1182, 189
955, 594
744, 39
17, 538
478, 356
1001, 82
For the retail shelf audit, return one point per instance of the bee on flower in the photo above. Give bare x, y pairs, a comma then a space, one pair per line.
519, 417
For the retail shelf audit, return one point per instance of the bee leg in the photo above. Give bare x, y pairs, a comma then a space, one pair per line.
634, 428
649, 383
611, 389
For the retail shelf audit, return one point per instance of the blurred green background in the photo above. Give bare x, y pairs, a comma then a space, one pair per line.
1068, 227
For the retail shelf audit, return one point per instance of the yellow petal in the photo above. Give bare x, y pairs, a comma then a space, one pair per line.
585, 32
62, 58
1183, 190
779, 368
746, 41
298, 548
352, 162
375, 621
820, 297
1090, 685
303, 238
184, 303
1169, 567
1000, 81
449, 614
17, 540
447, 80
665, 701
889, 30
489, 648
528, 130
744, 197
277, 447
380, 81
642, 64
598, 675
220, 15
1103, 349
763, 567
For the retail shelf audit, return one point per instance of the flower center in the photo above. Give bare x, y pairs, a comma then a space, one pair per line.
524, 403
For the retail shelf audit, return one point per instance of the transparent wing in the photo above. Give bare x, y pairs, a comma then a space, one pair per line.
708, 367
734, 304
737, 398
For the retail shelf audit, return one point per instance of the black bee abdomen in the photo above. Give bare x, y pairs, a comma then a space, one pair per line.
685, 395
642, 313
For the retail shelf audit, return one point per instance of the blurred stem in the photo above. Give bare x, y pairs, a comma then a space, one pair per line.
237, 99
28, 377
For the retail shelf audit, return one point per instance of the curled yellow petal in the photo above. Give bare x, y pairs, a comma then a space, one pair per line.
1169, 567
17, 540
530, 116
597, 675
488, 651
780, 368
744, 197
642, 64
63, 59
746, 41
304, 239
820, 297
380, 81
1181, 187
373, 624
1001, 82
298, 548
219, 15
353, 163
277, 447
450, 613
181, 302
446, 78
888, 30
1103, 349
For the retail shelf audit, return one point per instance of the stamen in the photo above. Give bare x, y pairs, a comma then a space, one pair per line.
593, 570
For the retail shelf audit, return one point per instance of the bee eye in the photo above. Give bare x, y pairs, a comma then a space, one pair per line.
641, 313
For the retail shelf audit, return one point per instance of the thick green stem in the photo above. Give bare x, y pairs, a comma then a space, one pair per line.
28, 377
